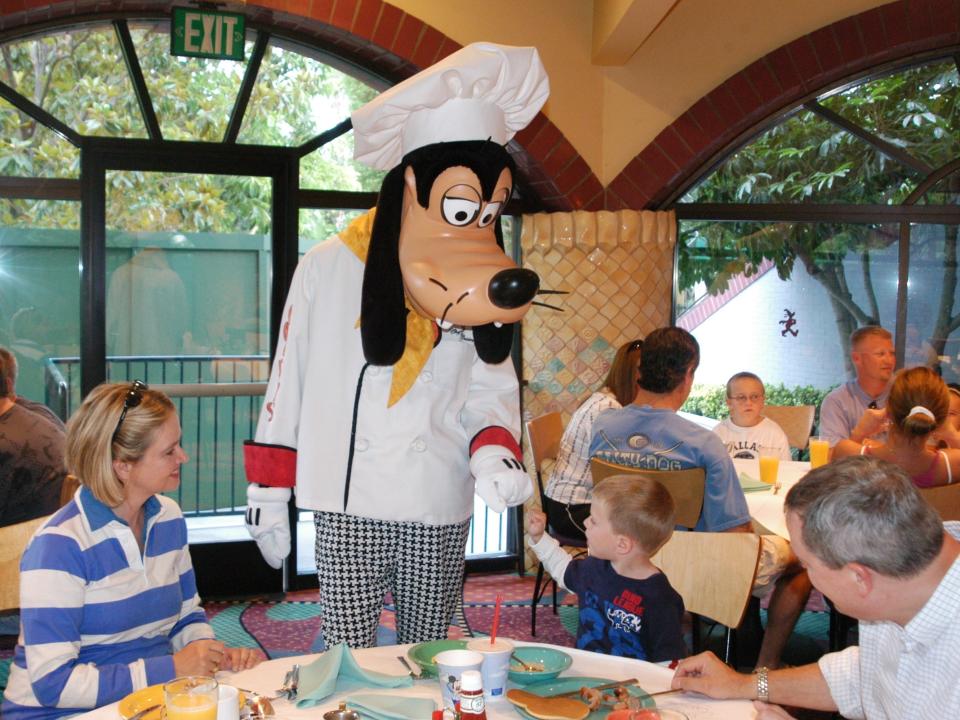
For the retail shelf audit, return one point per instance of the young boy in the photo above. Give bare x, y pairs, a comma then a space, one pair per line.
627, 607
747, 430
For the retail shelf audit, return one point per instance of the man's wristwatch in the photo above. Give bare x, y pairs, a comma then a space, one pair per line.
763, 685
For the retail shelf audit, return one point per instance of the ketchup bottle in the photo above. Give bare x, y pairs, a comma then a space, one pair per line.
472, 706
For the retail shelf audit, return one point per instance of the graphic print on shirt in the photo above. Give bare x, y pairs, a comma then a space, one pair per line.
642, 454
612, 627
743, 449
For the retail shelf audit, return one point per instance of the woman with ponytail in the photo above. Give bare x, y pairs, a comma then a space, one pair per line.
918, 405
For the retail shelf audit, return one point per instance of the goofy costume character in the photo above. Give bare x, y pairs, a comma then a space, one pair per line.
392, 397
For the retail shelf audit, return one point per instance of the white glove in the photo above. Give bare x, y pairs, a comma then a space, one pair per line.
501, 480
268, 523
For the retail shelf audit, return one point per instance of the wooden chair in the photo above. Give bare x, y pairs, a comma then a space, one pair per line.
13, 540
796, 421
685, 486
543, 434
714, 573
945, 500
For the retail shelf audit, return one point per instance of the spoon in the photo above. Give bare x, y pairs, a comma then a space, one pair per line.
525, 666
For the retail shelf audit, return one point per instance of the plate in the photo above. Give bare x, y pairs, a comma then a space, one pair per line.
569, 684
424, 653
142, 699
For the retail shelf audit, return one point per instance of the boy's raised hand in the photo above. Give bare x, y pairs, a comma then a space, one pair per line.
536, 525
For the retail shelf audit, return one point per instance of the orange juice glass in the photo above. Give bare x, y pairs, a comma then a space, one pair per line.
769, 465
819, 452
191, 698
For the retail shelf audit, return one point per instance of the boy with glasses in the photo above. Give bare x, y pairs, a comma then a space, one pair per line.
747, 430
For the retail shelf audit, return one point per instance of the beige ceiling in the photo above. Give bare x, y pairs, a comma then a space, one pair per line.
623, 70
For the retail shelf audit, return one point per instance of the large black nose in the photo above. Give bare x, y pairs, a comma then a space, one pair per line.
513, 288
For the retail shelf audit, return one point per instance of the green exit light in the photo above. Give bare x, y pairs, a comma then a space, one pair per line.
206, 34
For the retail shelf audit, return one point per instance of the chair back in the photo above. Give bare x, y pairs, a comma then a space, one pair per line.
543, 434
685, 486
945, 500
713, 572
796, 421
13, 540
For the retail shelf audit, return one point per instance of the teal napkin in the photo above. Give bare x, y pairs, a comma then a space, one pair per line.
337, 671
391, 707
749, 484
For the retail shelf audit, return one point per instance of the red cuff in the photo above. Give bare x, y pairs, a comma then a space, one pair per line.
270, 465
496, 435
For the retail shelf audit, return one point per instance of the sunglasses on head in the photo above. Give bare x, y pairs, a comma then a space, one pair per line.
131, 400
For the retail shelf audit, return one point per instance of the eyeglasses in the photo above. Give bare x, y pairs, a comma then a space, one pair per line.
753, 397
132, 399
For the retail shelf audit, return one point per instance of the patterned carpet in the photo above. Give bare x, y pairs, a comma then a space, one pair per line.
292, 626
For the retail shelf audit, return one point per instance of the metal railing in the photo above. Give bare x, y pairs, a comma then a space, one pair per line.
218, 399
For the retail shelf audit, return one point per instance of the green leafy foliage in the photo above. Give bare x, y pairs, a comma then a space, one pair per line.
806, 158
711, 400
80, 78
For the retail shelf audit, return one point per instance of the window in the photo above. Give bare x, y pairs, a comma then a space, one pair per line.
796, 238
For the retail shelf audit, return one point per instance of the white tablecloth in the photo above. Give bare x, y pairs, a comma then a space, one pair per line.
269, 675
766, 507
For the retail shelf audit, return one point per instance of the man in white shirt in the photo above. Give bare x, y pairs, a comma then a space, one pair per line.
880, 552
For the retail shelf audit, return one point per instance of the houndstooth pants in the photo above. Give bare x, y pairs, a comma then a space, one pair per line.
360, 559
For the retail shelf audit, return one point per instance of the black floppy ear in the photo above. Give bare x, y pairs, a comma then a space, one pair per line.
493, 343
383, 316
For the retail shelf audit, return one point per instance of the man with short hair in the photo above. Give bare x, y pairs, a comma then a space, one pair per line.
649, 434
874, 547
31, 454
874, 359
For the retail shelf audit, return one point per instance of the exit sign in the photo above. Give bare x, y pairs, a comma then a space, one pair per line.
206, 34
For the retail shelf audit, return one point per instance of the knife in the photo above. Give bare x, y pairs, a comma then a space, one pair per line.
140, 714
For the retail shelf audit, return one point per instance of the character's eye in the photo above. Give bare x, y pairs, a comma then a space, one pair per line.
490, 212
460, 211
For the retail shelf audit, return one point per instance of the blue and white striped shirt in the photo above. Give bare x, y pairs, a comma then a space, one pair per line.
98, 619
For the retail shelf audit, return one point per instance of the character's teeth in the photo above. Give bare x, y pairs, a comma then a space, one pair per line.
444, 324
497, 324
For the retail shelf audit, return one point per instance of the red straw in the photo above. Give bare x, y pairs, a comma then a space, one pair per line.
496, 619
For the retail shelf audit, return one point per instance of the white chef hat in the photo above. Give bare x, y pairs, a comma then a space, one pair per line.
481, 91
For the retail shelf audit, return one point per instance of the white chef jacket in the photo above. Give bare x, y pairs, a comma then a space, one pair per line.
411, 461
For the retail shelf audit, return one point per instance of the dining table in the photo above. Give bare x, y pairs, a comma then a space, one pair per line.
266, 677
766, 503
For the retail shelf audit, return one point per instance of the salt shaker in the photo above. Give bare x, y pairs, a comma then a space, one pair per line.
472, 706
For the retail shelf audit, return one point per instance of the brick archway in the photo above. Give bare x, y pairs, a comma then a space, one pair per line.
776, 82
388, 41
375, 35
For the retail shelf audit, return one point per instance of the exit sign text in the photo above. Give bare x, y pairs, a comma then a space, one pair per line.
206, 34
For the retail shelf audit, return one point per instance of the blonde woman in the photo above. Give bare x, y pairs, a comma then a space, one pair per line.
108, 599
919, 404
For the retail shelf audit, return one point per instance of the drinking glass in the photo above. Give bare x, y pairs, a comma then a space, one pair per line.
819, 451
191, 698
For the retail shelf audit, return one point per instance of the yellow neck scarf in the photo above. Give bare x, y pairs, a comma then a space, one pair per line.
421, 331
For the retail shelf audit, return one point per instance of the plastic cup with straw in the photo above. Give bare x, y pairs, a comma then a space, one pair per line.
496, 657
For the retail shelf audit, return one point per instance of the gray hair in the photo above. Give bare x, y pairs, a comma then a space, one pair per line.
865, 510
